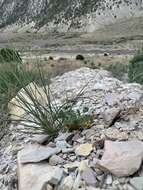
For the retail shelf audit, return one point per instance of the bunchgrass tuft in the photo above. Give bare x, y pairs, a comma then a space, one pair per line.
46, 115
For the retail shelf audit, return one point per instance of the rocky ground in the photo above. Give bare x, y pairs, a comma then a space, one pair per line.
106, 156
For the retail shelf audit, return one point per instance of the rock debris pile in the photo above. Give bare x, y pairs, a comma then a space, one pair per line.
107, 156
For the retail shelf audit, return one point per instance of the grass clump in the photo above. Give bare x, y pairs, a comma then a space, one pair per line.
118, 70
12, 78
135, 72
9, 55
47, 116
33, 96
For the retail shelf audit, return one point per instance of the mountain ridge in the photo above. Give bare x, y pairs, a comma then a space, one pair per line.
65, 15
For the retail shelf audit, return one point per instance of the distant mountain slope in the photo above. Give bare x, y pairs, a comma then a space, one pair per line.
64, 15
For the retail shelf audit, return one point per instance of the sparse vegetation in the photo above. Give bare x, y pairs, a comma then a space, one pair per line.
80, 57
118, 70
135, 72
9, 55
12, 75
49, 117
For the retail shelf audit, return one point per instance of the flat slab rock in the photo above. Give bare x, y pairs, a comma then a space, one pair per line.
36, 153
35, 176
122, 158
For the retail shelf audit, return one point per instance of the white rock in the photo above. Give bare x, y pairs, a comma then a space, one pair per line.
67, 183
109, 180
110, 115
57, 176
137, 183
55, 160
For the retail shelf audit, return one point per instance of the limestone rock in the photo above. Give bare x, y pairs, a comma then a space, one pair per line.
40, 139
83, 166
49, 187
89, 177
115, 134
57, 176
67, 183
122, 158
110, 115
34, 176
55, 160
35, 153
72, 165
137, 183
84, 149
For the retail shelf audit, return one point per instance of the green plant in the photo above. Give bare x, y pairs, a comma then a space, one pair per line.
12, 78
118, 70
48, 116
135, 71
80, 57
74, 120
9, 55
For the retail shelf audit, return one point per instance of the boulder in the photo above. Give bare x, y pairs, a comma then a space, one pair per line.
34, 176
122, 158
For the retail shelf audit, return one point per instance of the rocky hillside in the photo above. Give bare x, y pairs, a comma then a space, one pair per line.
64, 15
107, 156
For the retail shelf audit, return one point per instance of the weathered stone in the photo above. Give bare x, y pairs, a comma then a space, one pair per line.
34, 176
56, 177
55, 160
77, 182
62, 144
115, 134
49, 187
67, 183
40, 139
122, 158
108, 180
112, 99
35, 153
83, 166
110, 115
67, 150
84, 149
137, 183
72, 165
63, 137
89, 177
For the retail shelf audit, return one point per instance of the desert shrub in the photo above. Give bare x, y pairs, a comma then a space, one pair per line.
9, 55
80, 57
135, 71
118, 70
51, 58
